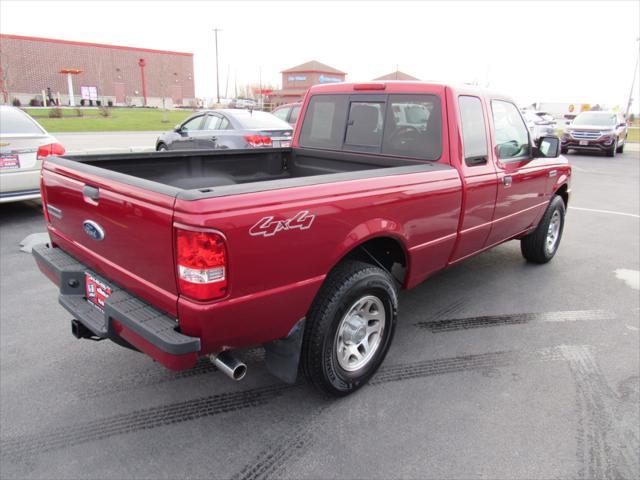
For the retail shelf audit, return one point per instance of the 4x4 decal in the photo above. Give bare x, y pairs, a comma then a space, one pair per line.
268, 227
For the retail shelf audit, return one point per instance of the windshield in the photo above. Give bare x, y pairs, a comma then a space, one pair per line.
593, 118
13, 121
260, 120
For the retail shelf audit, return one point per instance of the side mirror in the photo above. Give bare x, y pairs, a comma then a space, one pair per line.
548, 147
177, 128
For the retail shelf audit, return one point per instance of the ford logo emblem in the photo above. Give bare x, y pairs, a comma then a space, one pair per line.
92, 229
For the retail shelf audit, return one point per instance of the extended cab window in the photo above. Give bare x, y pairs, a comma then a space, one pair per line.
413, 127
512, 136
474, 133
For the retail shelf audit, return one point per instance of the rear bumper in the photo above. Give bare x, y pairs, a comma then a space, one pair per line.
19, 185
125, 316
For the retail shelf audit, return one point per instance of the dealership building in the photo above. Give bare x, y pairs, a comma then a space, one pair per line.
110, 73
297, 80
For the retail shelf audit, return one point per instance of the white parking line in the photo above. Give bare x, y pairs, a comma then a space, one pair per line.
611, 212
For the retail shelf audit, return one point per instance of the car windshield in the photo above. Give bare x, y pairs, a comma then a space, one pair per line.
255, 120
14, 121
599, 119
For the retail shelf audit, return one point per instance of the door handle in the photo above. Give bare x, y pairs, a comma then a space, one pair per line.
553, 173
507, 180
91, 192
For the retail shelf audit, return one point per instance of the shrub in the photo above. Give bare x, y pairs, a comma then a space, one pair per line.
98, 103
34, 102
109, 103
104, 112
82, 102
16, 102
55, 113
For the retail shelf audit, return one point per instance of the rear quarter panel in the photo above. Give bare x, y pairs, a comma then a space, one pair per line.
273, 279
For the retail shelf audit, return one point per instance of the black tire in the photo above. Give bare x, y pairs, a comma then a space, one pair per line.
564, 150
612, 151
161, 147
620, 148
349, 282
534, 246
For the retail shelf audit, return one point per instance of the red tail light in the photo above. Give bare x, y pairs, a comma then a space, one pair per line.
258, 140
51, 149
202, 264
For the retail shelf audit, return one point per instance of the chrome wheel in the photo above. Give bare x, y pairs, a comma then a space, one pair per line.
360, 333
553, 232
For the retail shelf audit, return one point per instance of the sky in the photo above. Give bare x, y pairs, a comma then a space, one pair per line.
579, 52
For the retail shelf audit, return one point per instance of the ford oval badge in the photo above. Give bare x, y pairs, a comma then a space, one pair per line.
92, 229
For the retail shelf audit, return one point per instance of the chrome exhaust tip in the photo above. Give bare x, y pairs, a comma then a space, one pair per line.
229, 365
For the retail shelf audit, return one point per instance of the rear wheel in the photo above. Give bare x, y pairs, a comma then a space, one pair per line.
542, 244
349, 327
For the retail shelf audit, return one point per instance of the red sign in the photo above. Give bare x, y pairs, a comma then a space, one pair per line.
96, 291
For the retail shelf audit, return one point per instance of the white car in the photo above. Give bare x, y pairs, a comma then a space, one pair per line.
23, 146
539, 124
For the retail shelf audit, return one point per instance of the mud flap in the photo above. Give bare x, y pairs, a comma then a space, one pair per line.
283, 356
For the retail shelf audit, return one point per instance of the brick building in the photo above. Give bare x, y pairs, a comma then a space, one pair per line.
297, 80
397, 75
31, 64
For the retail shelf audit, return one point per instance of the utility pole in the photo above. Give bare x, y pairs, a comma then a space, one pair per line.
260, 87
215, 31
635, 70
226, 88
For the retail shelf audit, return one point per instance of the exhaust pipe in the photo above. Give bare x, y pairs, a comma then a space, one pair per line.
229, 365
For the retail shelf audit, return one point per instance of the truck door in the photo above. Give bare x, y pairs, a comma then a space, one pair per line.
522, 180
479, 176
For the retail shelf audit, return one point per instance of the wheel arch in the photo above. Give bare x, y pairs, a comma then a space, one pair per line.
563, 191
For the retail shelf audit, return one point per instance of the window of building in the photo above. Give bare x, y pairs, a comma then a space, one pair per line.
512, 136
474, 133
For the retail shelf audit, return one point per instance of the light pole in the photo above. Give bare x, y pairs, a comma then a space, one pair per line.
142, 64
215, 31
635, 70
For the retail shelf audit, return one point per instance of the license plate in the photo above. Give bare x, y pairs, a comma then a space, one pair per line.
96, 291
285, 144
9, 162
584, 142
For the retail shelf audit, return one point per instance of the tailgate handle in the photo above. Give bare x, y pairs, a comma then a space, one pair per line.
91, 192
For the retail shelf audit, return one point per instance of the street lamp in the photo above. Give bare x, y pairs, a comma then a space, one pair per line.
635, 70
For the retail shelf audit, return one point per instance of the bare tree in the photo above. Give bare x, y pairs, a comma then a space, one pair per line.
5, 77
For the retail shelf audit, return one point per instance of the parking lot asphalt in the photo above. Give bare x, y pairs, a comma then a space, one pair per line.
499, 369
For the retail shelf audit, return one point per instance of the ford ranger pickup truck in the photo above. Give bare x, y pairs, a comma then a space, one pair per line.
303, 250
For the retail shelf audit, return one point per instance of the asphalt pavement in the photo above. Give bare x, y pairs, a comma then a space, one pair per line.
499, 369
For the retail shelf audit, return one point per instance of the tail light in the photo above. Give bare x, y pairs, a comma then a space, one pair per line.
51, 149
201, 258
258, 140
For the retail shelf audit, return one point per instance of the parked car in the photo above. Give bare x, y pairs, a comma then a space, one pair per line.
539, 124
304, 249
23, 146
596, 131
242, 103
227, 128
288, 112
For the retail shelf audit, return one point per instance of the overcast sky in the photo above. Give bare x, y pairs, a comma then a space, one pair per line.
534, 51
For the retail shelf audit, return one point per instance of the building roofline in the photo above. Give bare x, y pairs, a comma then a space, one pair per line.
312, 71
89, 44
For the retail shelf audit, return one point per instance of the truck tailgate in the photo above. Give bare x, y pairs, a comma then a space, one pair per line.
136, 251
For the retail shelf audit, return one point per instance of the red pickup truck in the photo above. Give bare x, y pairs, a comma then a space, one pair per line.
302, 249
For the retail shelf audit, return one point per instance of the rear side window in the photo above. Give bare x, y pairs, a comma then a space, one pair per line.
474, 133
212, 122
512, 136
413, 127
295, 111
14, 121
399, 125
324, 122
281, 113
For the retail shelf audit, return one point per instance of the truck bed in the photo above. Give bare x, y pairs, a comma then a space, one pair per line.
198, 174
